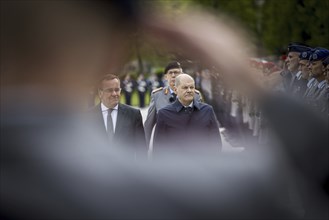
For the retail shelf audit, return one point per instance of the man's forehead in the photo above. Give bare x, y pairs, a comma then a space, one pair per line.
110, 81
187, 81
316, 62
303, 61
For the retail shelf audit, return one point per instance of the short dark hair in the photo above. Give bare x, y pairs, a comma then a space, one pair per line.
105, 78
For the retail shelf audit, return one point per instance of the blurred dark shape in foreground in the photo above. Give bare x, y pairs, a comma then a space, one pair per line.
53, 166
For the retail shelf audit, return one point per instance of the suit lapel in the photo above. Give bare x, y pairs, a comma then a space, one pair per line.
120, 118
99, 117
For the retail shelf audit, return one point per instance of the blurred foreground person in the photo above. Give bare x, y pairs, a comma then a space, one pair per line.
121, 124
186, 126
55, 167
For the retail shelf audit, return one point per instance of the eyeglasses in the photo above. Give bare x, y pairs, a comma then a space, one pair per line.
116, 90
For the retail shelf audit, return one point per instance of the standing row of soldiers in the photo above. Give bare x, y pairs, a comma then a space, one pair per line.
305, 78
142, 85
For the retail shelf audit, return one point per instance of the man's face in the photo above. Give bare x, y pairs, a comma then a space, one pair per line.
292, 61
316, 68
109, 93
304, 68
171, 76
185, 90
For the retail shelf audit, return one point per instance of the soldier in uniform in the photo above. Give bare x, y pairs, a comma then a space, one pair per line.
128, 88
300, 85
294, 50
162, 97
142, 89
317, 70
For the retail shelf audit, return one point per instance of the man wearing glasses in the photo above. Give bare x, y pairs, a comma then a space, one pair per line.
121, 124
162, 97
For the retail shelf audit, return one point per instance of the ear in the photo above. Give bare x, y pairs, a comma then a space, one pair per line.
100, 93
323, 69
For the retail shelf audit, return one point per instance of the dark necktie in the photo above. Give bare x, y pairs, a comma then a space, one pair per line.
110, 130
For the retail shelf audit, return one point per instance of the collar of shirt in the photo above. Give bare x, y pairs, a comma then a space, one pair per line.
104, 108
299, 74
178, 105
190, 105
170, 90
310, 82
114, 115
321, 84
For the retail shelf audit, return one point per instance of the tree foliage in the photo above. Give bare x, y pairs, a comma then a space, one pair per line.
277, 22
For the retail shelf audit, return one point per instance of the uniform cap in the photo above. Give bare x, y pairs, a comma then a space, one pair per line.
296, 47
306, 55
172, 65
319, 54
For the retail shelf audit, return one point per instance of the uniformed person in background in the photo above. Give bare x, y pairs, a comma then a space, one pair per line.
128, 86
292, 61
142, 89
300, 85
162, 97
317, 70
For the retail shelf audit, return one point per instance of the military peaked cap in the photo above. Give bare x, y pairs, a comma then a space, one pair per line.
319, 54
172, 65
297, 47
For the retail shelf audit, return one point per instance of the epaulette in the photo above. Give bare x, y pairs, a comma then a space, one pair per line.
157, 90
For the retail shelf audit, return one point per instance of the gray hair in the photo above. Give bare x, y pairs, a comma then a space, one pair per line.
178, 78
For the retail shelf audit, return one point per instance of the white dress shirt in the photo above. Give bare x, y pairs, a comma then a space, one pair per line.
114, 115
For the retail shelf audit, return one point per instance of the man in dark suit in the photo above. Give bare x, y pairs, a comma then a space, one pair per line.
187, 126
121, 124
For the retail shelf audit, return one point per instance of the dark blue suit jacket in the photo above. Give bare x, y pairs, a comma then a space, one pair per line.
129, 132
181, 130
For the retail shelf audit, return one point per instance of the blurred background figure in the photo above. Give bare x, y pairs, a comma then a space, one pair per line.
142, 89
128, 85
155, 82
